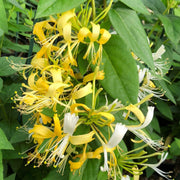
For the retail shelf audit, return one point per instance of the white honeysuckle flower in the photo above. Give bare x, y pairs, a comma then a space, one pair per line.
117, 136
115, 104
158, 53
155, 166
125, 177
70, 121
148, 119
155, 144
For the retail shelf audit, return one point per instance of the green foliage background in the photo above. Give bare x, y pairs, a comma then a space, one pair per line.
17, 18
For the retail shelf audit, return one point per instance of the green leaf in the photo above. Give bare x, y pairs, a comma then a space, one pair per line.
156, 5
164, 109
78, 175
171, 26
5, 68
19, 136
92, 169
1, 32
168, 93
16, 4
4, 143
50, 7
1, 166
121, 75
102, 175
3, 19
128, 26
1, 84
11, 177
137, 5
175, 146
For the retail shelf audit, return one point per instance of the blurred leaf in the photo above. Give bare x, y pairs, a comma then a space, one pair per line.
171, 26
1, 32
4, 143
137, 5
11, 177
164, 109
5, 68
1, 84
54, 174
1, 166
50, 7
128, 26
92, 169
19, 136
18, 27
155, 124
156, 5
121, 76
16, 4
3, 19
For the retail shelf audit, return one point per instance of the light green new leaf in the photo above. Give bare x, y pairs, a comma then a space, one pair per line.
5, 66
1, 166
4, 143
3, 19
128, 26
137, 5
172, 27
50, 7
121, 75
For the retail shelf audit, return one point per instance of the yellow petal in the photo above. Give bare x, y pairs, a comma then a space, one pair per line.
45, 119
38, 30
83, 33
105, 36
137, 112
64, 18
67, 32
39, 63
95, 32
90, 77
82, 139
57, 126
74, 106
84, 91
40, 131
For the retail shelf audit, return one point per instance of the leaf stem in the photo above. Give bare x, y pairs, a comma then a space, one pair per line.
93, 9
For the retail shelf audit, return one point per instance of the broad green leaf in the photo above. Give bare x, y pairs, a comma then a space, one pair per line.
121, 75
5, 68
78, 175
172, 27
168, 93
3, 19
137, 5
164, 109
155, 5
50, 7
1, 166
4, 143
128, 26
54, 174
102, 175
92, 169
1, 84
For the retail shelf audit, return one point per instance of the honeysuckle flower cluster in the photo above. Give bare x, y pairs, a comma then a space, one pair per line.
54, 82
